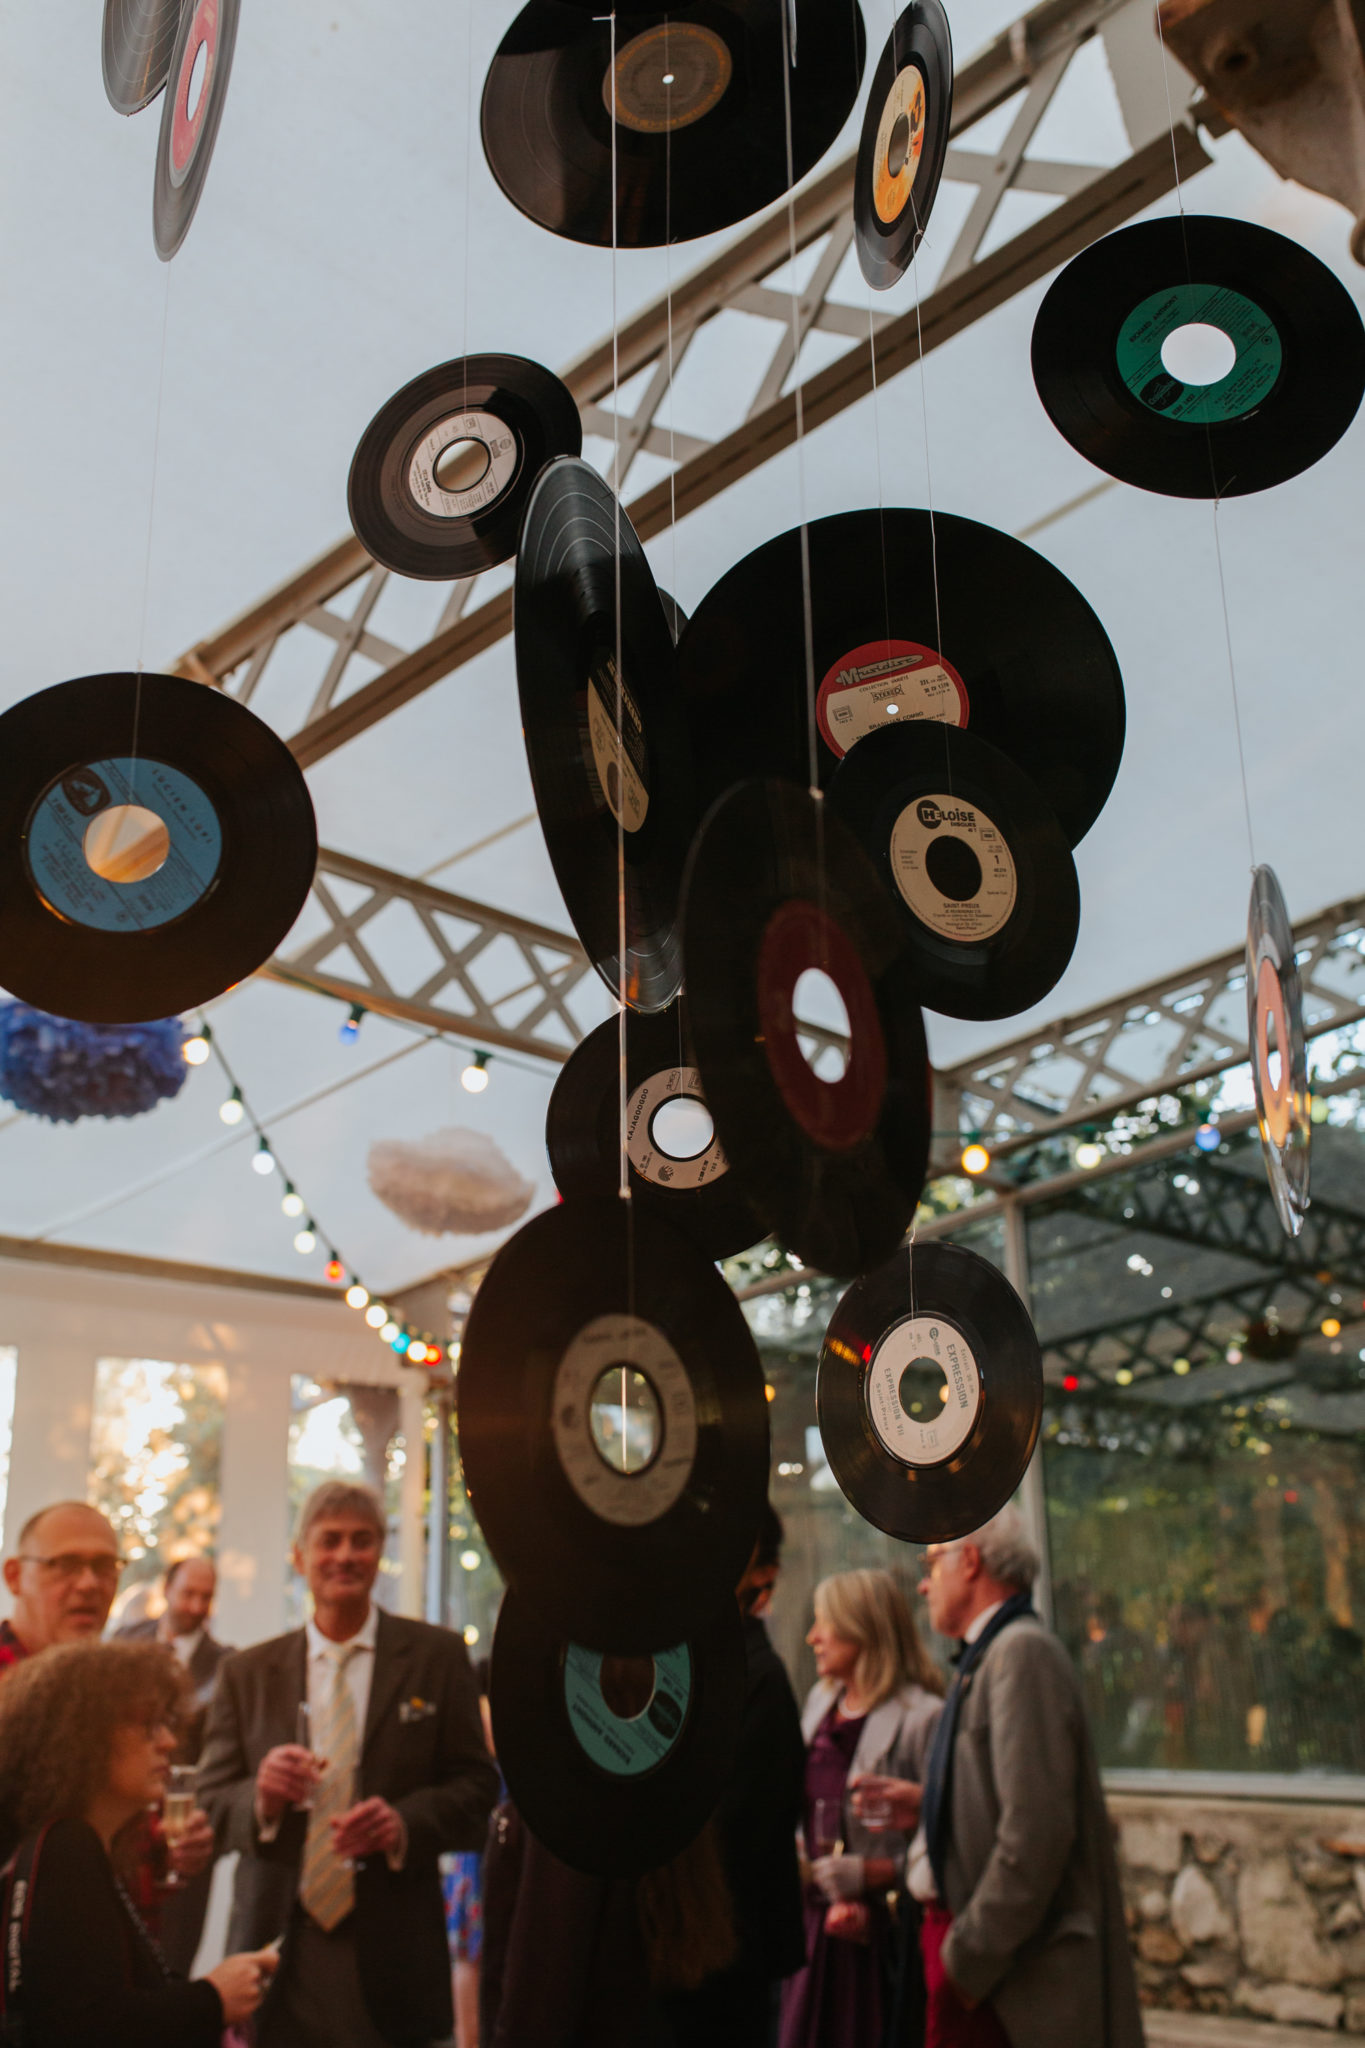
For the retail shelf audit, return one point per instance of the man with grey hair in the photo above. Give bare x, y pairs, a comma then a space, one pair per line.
1022, 1935
340, 1817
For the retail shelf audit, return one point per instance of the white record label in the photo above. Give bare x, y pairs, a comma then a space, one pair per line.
630, 1500
912, 1440
477, 427
922, 828
651, 1162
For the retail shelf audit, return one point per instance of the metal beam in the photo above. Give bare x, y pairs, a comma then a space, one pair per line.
1031, 57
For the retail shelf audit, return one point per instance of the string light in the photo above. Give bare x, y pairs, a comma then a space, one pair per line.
390, 1332
475, 1075
1089, 1153
336, 1272
234, 1109
305, 1240
263, 1159
356, 1295
975, 1158
1208, 1138
376, 1315
293, 1202
197, 1048
350, 1030
417, 1351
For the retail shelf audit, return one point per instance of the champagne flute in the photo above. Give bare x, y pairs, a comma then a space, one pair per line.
874, 1811
177, 1810
303, 1736
827, 1834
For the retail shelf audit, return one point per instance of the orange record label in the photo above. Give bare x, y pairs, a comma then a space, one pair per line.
900, 139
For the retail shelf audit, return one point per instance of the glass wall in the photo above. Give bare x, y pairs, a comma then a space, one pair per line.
344, 1432
156, 1438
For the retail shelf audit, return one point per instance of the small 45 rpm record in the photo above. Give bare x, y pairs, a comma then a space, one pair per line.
190, 116
776, 887
139, 36
689, 110
904, 142
977, 862
929, 1393
1099, 357
613, 1426
676, 1162
616, 1763
1279, 1062
591, 775
440, 480
157, 841
911, 617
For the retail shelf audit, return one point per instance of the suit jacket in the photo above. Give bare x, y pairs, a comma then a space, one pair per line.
422, 1750
894, 1742
1032, 1880
759, 1814
202, 1673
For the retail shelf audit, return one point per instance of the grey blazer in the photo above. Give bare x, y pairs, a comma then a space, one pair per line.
894, 1742
1032, 1881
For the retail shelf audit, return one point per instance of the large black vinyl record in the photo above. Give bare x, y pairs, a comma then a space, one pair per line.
699, 96
929, 1393
613, 1426
676, 1164
904, 142
974, 858
177, 905
190, 116
1290, 395
139, 37
1010, 649
441, 478
588, 779
616, 1763
777, 886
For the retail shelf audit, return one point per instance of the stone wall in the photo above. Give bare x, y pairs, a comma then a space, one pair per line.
1246, 1906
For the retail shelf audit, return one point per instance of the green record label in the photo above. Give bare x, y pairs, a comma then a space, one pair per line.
1250, 381
627, 1749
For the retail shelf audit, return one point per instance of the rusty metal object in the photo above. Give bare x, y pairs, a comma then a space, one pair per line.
1290, 74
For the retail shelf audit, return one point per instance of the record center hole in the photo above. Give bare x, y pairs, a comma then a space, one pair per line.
625, 1419
953, 868
462, 466
898, 149
1198, 354
923, 1389
682, 1127
816, 1000
126, 843
627, 1685
194, 91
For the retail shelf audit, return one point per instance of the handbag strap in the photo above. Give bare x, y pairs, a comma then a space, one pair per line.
21, 1877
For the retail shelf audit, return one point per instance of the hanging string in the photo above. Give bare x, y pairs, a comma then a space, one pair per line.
812, 741
151, 525
468, 177
1213, 467
623, 1156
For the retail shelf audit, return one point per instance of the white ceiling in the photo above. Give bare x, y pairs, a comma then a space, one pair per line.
350, 236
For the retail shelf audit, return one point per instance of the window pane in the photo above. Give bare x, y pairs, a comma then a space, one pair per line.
155, 1448
344, 1432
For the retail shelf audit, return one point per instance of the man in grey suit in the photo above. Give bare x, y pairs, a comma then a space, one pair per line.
1022, 1929
340, 1835
190, 1586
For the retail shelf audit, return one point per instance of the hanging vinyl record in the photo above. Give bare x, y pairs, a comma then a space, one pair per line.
592, 775
678, 127
1279, 379
139, 37
777, 890
190, 116
911, 617
904, 143
975, 859
157, 841
613, 1426
616, 1763
929, 1393
442, 475
1279, 1062
675, 1161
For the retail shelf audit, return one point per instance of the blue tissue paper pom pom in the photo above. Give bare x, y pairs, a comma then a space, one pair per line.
61, 1070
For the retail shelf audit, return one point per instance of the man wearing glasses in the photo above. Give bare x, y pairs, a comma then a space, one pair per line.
62, 1578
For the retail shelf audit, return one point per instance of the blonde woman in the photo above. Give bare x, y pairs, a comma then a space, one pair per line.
877, 1697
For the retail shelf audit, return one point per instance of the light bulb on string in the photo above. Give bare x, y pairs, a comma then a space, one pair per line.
376, 1315
356, 1295
292, 1201
336, 1272
1208, 1138
417, 1350
475, 1075
350, 1030
196, 1047
305, 1240
263, 1159
1090, 1152
975, 1158
234, 1109
390, 1332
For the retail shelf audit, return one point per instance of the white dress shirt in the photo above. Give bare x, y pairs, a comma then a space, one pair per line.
919, 1871
185, 1646
319, 1678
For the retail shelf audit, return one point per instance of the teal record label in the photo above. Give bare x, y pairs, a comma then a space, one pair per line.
55, 845
1250, 381
627, 1749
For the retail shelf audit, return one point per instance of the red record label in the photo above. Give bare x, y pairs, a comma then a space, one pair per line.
885, 682
836, 1114
187, 126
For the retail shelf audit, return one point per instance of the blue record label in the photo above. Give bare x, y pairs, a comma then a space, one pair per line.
56, 840
627, 1749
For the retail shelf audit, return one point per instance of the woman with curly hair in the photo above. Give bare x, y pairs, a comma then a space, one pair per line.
86, 1734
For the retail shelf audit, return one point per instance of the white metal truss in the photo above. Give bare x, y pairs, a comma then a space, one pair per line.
1183, 1029
323, 615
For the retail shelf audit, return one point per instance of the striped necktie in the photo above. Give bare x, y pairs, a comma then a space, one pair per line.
327, 1883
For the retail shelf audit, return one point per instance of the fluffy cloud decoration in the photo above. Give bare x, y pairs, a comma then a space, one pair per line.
55, 1068
455, 1182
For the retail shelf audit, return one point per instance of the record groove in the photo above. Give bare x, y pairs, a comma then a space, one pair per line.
929, 1393
189, 125
904, 142
136, 46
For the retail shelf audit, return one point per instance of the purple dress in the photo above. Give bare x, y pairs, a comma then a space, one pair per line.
837, 2000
